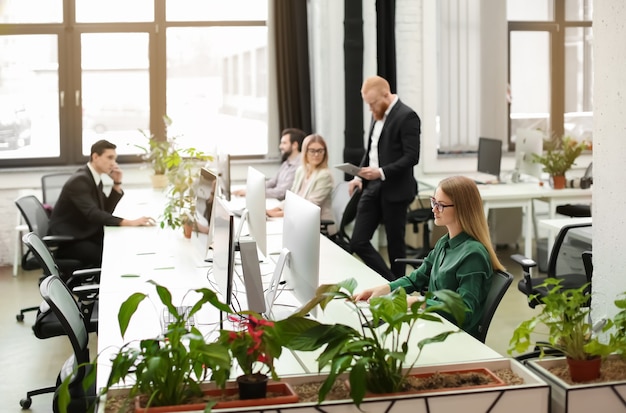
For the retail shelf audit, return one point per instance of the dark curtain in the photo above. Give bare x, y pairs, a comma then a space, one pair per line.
386, 41
353, 78
292, 61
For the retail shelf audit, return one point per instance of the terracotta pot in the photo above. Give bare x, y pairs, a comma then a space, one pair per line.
584, 370
279, 393
252, 386
187, 230
159, 181
557, 181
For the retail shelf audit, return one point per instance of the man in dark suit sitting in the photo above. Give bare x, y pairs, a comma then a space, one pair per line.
83, 209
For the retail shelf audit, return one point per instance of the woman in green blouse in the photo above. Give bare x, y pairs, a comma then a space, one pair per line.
463, 260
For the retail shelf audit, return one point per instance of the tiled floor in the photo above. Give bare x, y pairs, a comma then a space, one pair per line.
29, 363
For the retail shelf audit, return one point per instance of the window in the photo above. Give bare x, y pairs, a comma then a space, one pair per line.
112, 70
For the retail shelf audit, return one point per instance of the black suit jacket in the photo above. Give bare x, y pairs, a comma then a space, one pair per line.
398, 153
82, 210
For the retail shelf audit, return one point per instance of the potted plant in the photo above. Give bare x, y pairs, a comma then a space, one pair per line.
180, 209
254, 344
166, 370
565, 313
560, 155
374, 356
158, 153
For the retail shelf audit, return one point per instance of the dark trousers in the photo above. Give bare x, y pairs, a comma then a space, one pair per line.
87, 251
371, 212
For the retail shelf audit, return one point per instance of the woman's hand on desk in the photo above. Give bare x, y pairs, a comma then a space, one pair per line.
139, 222
372, 292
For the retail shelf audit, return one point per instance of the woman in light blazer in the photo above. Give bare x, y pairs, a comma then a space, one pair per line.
313, 180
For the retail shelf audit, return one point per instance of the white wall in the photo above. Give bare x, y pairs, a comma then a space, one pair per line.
609, 147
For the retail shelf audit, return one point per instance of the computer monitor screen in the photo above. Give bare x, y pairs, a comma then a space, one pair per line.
301, 237
256, 209
223, 170
489, 156
223, 249
205, 196
528, 141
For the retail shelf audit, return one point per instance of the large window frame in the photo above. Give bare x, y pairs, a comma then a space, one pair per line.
68, 34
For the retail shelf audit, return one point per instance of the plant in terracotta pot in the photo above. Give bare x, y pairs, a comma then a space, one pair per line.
169, 368
565, 314
255, 346
559, 156
180, 209
159, 154
375, 356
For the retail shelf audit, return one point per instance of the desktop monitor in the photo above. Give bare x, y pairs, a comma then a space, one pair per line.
255, 213
489, 156
223, 174
205, 196
223, 249
301, 238
528, 141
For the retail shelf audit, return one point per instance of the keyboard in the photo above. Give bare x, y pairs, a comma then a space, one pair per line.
169, 318
483, 178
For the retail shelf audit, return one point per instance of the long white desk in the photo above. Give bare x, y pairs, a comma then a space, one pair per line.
133, 255
519, 195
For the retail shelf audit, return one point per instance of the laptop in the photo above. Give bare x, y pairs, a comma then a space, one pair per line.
489, 159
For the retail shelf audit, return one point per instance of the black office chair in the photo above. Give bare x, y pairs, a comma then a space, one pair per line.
51, 185
579, 210
47, 323
61, 302
501, 281
565, 263
421, 215
36, 218
347, 214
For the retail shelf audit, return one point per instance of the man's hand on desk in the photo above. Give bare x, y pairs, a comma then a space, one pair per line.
138, 222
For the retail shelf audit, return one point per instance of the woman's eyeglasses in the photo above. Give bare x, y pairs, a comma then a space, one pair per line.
435, 204
316, 151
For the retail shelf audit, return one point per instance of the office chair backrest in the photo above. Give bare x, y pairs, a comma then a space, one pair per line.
588, 264
566, 254
34, 214
51, 185
500, 282
41, 253
349, 212
62, 302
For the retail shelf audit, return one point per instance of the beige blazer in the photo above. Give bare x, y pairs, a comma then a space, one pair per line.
319, 191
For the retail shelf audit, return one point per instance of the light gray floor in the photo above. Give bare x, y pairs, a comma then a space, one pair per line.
29, 363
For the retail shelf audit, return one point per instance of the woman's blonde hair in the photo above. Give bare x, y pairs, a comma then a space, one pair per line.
468, 204
305, 146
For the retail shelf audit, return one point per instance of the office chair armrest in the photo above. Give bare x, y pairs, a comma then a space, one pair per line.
414, 262
86, 292
326, 222
57, 239
525, 262
85, 276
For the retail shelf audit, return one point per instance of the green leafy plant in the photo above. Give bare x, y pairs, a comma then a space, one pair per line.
159, 153
566, 316
618, 336
183, 176
168, 369
374, 356
560, 155
254, 345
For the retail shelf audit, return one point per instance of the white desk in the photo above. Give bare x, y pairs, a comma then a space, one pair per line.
520, 195
554, 226
133, 255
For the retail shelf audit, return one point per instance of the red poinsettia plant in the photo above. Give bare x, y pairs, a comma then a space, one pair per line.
254, 344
